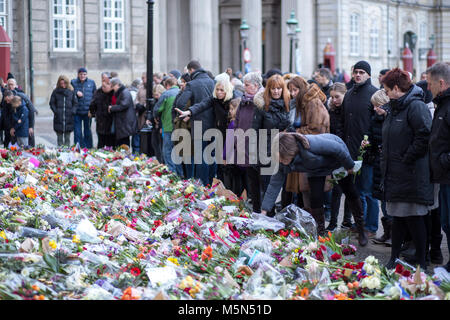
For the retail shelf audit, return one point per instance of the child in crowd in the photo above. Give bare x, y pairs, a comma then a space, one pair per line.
20, 125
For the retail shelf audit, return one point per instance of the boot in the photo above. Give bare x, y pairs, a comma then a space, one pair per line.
435, 252
358, 215
387, 225
319, 215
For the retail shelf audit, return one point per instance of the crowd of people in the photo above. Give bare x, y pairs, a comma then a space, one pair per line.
401, 131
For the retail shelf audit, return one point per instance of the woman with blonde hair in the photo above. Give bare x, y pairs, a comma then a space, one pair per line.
63, 103
272, 112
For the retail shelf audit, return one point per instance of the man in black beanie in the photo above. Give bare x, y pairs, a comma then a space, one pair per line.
358, 110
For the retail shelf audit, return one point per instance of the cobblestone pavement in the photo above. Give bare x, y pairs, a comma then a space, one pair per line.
46, 136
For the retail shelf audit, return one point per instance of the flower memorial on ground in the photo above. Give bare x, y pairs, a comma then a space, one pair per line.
108, 225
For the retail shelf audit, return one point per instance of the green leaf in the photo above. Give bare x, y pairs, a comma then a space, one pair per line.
52, 262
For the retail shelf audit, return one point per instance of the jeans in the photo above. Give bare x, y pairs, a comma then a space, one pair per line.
63, 139
203, 171
136, 143
22, 141
364, 183
82, 132
327, 204
444, 208
167, 151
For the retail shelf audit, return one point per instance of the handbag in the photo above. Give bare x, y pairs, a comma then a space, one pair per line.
297, 182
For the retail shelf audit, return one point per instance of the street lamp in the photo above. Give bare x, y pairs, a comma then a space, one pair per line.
432, 41
297, 39
244, 30
291, 28
147, 129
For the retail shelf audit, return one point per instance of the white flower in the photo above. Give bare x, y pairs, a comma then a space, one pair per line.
343, 288
369, 268
312, 267
312, 246
371, 260
395, 292
371, 283
25, 272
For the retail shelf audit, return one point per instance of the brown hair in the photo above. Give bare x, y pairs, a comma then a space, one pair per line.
397, 77
287, 143
170, 82
66, 81
273, 82
339, 87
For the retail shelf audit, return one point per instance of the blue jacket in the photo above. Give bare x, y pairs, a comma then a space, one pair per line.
88, 89
21, 129
326, 153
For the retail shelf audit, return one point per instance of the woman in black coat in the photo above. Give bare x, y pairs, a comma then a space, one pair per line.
318, 155
404, 163
124, 114
272, 112
98, 109
63, 103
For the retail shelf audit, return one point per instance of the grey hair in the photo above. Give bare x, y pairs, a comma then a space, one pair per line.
106, 74
253, 77
440, 70
136, 83
115, 81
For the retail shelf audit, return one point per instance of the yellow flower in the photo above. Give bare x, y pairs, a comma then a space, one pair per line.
173, 260
3, 235
75, 239
153, 201
52, 244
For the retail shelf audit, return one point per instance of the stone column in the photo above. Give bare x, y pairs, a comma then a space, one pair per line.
252, 12
202, 41
304, 12
159, 37
226, 39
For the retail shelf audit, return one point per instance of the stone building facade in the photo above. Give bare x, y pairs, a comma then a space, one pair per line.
110, 35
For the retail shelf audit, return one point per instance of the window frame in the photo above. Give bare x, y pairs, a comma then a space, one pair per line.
355, 36
374, 35
65, 19
113, 22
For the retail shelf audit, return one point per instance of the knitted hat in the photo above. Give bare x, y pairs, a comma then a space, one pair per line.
82, 70
10, 76
176, 73
363, 65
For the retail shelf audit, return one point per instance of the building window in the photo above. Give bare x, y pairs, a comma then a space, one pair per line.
4, 15
64, 25
113, 25
391, 47
374, 36
354, 34
423, 33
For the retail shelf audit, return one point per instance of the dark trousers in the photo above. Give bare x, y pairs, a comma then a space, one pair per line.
105, 140
415, 225
233, 178
157, 145
336, 196
253, 177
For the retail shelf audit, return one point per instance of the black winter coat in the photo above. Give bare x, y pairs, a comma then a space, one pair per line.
440, 140
404, 161
124, 115
220, 110
99, 109
358, 111
199, 88
63, 103
275, 118
336, 121
374, 153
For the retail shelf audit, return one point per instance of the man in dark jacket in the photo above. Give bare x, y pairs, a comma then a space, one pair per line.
98, 109
7, 116
323, 78
438, 77
84, 89
124, 115
358, 111
200, 87
12, 85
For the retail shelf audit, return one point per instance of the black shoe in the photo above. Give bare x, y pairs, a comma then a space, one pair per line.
391, 264
346, 225
436, 257
409, 253
331, 227
413, 261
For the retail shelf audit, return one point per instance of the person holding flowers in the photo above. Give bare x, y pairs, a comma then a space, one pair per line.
317, 155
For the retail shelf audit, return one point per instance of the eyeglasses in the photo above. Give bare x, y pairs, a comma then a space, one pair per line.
361, 72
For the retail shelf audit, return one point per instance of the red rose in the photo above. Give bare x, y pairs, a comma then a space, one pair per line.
159, 174
335, 256
74, 187
399, 269
406, 273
